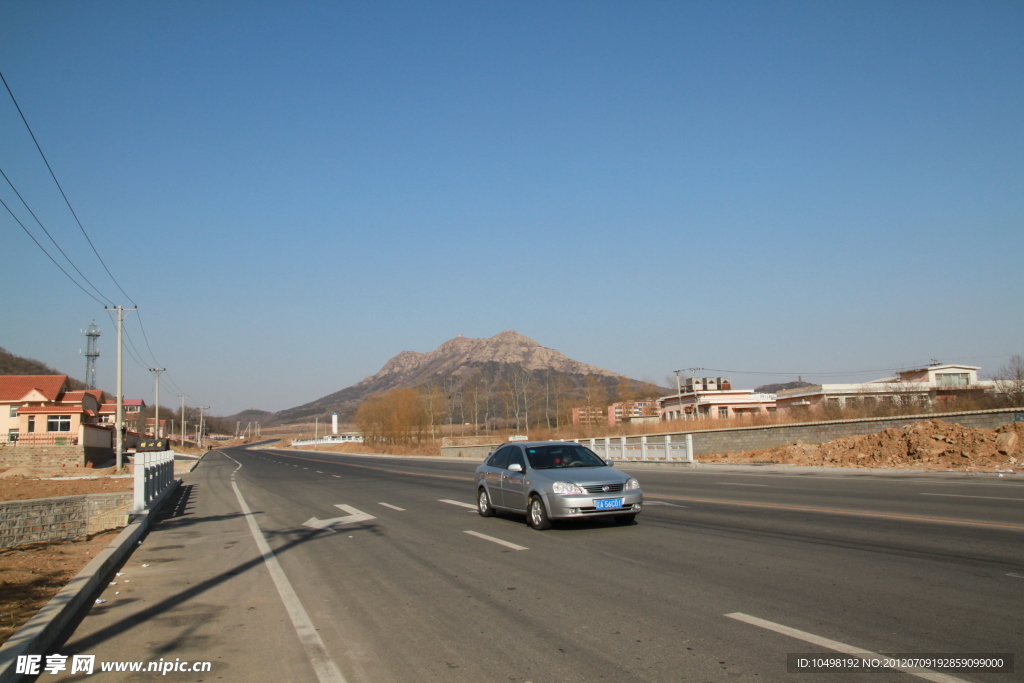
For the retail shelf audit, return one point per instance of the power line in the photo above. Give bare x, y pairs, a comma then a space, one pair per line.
77, 284
145, 336
129, 350
51, 237
80, 226
66, 201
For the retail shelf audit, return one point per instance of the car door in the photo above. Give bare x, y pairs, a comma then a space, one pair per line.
513, 484
494, 473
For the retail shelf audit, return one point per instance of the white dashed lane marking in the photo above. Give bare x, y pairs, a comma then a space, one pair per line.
459, 503
492, 539
393, 507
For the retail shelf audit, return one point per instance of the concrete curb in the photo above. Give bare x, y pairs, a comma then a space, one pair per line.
41, 630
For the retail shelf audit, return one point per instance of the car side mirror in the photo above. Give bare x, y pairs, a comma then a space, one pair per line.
515, 467
610, 463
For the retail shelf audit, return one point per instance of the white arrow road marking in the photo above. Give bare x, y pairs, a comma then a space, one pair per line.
455, 502
492, 539
393, 507
352, 516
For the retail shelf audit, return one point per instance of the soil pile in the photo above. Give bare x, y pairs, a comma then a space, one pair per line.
21, 487
32, 574
930, 445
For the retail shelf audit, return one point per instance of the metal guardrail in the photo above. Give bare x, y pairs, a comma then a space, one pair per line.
154, 472
642, 448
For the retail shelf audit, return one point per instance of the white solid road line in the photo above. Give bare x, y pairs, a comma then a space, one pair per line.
926, 674
658, 502
492, 539
326, 670
393, 507
957, 495
455, 502
733, 483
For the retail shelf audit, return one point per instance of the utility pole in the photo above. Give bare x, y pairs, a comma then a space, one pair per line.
183, 419
156, 415
201, 409
696, 396
119, 420
679, 393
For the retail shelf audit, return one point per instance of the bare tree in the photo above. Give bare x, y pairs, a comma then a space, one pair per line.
1009, 381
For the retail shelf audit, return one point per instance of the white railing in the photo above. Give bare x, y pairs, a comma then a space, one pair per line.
154, 472
642, 448
333, 438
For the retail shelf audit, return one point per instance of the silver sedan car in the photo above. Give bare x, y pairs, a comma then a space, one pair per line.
548, 480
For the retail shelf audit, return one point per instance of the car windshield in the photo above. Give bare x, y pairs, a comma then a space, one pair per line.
556, 457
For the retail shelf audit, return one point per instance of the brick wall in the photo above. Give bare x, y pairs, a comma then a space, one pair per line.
24, 455
63, 518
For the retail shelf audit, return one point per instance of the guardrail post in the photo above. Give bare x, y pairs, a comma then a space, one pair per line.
689, 448
622, 447
643, 447
668, 447
139, 472
607, 442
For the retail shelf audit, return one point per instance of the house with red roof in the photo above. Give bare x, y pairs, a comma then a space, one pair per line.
43, 409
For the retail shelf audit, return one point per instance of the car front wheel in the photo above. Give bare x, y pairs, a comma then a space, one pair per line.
483, 504
537, 515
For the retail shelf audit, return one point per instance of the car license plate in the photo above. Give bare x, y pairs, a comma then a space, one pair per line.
608, 504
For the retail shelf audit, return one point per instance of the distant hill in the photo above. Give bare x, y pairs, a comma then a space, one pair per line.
250, 415
11, 364
488, 363
776, 388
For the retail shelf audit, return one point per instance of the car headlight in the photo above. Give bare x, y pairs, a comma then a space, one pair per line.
632, 484
565, 487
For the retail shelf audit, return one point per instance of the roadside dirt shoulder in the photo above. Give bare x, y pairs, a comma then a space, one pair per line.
926, 445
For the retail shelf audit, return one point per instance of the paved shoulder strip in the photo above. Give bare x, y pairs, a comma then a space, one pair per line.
492, 539
926, 674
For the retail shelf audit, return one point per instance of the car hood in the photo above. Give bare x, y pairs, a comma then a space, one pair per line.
583, 475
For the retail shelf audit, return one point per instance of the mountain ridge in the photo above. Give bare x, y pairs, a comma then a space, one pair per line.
454, 361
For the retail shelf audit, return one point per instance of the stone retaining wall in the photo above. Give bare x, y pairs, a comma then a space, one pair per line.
24, 455
62, 518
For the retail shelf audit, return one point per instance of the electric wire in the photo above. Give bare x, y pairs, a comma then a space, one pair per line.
77, 284
80, 226
40, 223
131, 344
66, 201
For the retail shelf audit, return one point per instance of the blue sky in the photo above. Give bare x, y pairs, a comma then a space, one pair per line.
295, 192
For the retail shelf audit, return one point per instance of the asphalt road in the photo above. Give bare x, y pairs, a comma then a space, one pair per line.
403, 591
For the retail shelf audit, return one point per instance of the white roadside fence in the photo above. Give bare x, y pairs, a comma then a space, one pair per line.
641, 448
154, 473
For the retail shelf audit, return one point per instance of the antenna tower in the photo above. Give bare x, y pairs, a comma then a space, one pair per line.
92, 333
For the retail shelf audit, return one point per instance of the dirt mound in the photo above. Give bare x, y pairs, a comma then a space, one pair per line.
930, 444
47, 472
20, 487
